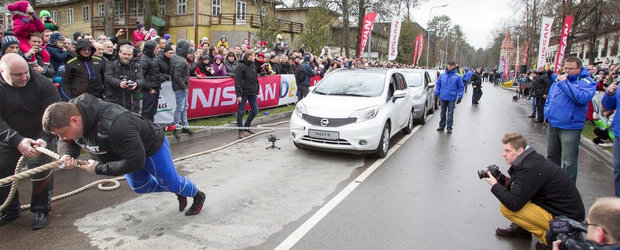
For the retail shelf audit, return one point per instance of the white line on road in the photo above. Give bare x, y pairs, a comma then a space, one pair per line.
302, 230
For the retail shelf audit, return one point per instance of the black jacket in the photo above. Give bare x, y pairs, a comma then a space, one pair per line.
131, 139
57, 56
83, 75
230, 67
246, 79
476, 81
541, 85
22, 109
150, 68
537, 180
164, 65
180, 67
115, 71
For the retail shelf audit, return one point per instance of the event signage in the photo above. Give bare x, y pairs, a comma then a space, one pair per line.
568, 23
545, 35
369, 20
394, 35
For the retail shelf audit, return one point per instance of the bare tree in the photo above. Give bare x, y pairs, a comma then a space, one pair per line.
108, 20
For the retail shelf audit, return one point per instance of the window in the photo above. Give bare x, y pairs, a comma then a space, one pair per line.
70, 15
135, 7
240, 10
119, 8
162, 7
54, 15
101, 9
614, 46
216, 7
181, 7
85, 13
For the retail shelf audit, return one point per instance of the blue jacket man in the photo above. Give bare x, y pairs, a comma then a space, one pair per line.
565, 108
449, 89
303, 88
610, 102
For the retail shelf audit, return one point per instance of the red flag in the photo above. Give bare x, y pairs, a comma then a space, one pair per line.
527, 46
369, 20
568, 23
415, 51
421, 49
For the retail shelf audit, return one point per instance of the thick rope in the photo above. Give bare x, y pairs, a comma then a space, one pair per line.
14, 179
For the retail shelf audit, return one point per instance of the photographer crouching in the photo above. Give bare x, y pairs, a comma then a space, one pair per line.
602, 228
535, 191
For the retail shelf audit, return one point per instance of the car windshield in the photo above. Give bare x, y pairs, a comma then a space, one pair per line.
414, 79
352, 83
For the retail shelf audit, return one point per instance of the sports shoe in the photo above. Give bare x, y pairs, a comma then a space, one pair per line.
6, 218
606, 144
440, 129
187, 131
513, 231
449, 131
199, 200
182, 202
40, 220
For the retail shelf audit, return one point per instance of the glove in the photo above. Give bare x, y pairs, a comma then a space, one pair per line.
458, 100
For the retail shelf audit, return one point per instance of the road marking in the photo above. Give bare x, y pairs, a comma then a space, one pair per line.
302, 230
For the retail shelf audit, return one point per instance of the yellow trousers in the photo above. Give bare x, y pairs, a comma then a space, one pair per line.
531, 217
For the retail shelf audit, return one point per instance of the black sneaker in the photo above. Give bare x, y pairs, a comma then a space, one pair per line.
513, 231
187, 131
199, 200
40, 220
440, 129
531, 116
449, 131
6, 218
182, 202
176, 134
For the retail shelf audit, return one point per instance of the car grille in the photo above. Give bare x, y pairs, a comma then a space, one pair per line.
326, 141
333, 122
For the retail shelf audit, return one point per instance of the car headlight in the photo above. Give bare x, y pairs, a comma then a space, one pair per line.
300, 109
365, 114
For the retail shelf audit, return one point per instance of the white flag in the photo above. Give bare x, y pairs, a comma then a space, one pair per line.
545, 35
394, 34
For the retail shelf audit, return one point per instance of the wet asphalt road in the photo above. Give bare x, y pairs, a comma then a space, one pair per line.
425, 196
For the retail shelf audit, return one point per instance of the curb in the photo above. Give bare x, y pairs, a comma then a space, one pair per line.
209, 132
596, 150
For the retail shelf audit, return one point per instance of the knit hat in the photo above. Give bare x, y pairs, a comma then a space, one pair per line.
75, 35
54, 38
279, 37
139, 25
168, 47
306, 59
167, 36
8, 41
20, 6
44, 13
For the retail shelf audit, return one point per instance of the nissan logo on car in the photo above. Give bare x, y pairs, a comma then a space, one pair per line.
324, 122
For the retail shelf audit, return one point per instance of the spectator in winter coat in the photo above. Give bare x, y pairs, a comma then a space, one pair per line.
231, 63
246, 89
153, 79
449, 89
48, 22
278, 47
10, 45
83, 74
140, 34
180, 83
25, 21
219, 69
58, 55
124, 79
203, 68
35, 55
163, 60
222, 42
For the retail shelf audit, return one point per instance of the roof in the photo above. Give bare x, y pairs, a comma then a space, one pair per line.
50, 3
335, 13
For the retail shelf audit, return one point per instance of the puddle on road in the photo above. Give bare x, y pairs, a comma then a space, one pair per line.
251, 194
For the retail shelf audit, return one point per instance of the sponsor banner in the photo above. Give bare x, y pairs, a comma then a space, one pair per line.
166, 104
369, 19
415, 51
288, 90
394, 35
568, 23
421, 49
545, 35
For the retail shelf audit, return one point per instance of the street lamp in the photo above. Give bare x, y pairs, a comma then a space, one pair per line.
428, 39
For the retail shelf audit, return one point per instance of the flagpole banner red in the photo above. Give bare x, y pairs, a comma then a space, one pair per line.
568, 23
421, 49
369, 20
527, 47
415, 51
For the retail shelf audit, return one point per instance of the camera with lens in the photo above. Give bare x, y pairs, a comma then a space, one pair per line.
493, 169
48, 19
569, 231
272, 138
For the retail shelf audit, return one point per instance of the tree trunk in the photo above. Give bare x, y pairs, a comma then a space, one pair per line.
345, 26
360, 21
147, 13
108, 20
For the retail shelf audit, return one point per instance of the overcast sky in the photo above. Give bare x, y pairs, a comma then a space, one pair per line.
476, 17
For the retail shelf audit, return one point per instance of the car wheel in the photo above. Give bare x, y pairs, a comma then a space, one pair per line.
422, 120
407, 130
384, 143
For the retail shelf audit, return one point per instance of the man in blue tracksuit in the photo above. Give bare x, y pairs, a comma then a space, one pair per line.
565, 108
611, 102
449, 88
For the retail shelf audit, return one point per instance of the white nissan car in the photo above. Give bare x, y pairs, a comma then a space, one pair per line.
354, 110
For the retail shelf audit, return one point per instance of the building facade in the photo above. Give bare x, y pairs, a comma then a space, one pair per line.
606, 48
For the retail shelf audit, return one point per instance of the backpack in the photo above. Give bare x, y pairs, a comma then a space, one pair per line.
300, 75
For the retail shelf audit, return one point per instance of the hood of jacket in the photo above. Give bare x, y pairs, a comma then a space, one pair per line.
83, 43
149, 47
183, 48
218, 57
89, 108
583, 74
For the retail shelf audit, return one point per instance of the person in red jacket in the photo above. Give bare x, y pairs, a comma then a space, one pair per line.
140, 34
25, 21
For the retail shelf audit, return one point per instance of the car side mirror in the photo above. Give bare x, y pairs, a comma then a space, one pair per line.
399, 94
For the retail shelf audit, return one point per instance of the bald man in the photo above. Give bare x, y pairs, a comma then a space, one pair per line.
25, 95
